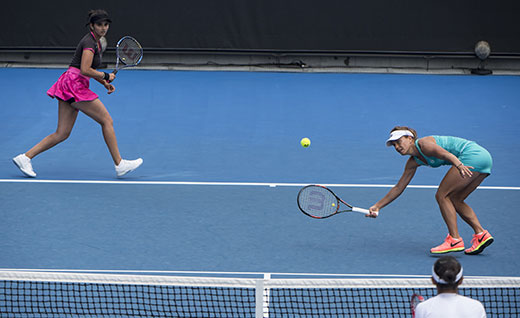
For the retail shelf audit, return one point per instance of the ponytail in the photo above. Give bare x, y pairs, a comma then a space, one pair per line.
447, 272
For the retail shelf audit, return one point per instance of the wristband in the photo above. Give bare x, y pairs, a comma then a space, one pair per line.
106, 76
460, 164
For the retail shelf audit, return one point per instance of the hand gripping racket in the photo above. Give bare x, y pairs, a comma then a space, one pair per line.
320, 202
414, 301
129, 53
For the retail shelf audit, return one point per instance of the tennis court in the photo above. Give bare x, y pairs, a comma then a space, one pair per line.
223, 165
245, 128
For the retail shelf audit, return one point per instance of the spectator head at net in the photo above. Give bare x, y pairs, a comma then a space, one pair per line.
447, 274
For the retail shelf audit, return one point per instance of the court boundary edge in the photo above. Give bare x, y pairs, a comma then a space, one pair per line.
217, 183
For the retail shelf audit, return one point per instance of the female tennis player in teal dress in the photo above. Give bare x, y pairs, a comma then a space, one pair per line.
73, 94
470, 165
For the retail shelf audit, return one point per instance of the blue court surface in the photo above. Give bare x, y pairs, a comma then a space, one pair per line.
223, 165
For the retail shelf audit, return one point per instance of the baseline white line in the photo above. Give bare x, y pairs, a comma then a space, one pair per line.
264, 184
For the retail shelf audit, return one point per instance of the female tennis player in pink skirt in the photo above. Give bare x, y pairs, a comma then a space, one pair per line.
471, 164
73, 94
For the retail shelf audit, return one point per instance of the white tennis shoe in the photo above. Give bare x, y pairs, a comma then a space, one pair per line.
24, 164
126, 166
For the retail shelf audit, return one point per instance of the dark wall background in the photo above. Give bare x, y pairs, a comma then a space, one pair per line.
408, 26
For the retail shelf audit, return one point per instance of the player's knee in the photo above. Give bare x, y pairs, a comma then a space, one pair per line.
441, 196
107, 121
62, 135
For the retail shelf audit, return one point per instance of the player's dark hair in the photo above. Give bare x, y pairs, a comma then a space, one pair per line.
405, 128
97, 15
447, 268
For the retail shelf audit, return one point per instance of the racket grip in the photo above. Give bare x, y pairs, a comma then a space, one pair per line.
360, 210
115, 71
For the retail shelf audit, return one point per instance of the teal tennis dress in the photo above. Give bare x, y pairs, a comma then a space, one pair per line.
469, 153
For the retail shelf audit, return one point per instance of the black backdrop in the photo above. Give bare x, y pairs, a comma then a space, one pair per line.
407, 26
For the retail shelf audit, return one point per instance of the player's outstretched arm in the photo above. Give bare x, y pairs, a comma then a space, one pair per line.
397, 190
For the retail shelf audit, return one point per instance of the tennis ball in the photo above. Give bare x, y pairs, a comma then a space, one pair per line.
306, 142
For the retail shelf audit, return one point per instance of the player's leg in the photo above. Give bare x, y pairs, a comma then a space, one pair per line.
450, 184
482, 238
463, 209
97, 111
66, 118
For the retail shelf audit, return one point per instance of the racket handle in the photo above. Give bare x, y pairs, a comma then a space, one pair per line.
115, 71
360, 210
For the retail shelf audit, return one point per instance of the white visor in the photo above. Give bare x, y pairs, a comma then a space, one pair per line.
442, 281
396, 134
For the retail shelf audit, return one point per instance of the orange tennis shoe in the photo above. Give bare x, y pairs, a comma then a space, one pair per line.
479, 243
450, 245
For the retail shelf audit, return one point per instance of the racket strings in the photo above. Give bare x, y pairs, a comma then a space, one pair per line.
318, 202
129, 52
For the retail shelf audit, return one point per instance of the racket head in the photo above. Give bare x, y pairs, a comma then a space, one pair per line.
415, 300
129, 52
318, 201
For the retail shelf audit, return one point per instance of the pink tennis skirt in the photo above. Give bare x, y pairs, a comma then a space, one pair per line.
72, 87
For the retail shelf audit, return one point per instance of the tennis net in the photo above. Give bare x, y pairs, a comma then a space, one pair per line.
60, 294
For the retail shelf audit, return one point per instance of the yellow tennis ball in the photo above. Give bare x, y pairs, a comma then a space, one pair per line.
306, 142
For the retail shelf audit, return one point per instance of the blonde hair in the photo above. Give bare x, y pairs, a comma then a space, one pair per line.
405, 128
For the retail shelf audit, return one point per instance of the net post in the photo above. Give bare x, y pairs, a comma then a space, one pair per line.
262, 298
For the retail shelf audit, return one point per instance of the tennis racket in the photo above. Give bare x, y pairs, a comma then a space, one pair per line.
129, 53
414, 301
320, 202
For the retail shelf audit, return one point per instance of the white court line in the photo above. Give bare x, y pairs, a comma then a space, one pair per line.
207, 273
265, 184
204, 273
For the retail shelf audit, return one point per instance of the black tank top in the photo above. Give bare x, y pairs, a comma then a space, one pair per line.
87, 42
